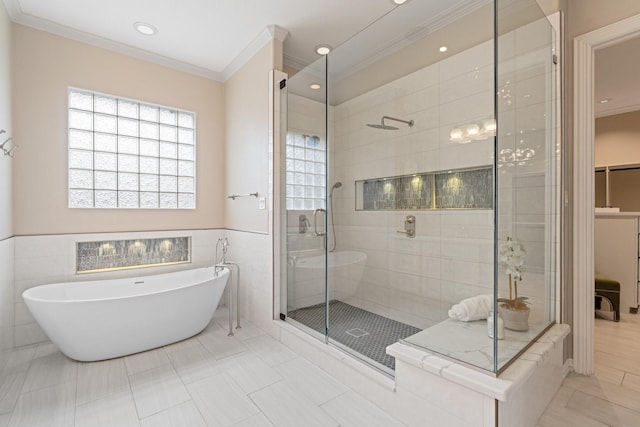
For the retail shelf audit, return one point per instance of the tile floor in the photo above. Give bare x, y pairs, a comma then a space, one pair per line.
252, 380
210, 380
611, 397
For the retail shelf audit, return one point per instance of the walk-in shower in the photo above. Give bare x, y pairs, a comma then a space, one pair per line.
356, 278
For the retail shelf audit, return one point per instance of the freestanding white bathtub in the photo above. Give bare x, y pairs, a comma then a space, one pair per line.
97, 320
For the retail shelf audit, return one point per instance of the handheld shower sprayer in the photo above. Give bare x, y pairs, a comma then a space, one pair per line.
337, 185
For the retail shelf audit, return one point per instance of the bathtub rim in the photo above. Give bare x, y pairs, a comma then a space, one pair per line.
26, 295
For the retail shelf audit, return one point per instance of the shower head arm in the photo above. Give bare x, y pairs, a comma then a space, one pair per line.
408, 122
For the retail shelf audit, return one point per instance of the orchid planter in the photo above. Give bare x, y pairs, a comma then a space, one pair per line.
516, 318
514, 310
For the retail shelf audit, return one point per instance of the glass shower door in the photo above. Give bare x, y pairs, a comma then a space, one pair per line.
304, 160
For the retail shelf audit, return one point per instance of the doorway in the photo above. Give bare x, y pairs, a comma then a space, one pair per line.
584, 189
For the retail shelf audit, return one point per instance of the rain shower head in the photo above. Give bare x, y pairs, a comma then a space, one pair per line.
384, 126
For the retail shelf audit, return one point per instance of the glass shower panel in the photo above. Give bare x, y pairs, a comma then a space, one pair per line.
422, 171
527, 174
412, 143
303, 193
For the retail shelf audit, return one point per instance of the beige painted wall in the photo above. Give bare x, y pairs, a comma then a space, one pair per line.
6, 229
618, 139
247, 138
44, 67
588, 15
5, 123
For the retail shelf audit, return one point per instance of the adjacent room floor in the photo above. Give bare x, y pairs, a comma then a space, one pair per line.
612, 396
247, 380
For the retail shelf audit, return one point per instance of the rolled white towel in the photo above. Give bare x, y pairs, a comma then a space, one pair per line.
474, 308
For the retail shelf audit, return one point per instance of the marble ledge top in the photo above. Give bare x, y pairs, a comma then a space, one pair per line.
496, 387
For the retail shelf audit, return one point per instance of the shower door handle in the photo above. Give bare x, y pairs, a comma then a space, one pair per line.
315, 223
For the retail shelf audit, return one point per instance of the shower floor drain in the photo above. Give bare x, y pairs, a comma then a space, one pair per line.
356, 332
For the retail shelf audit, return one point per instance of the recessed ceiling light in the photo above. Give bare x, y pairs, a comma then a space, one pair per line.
144, 28
323, 49
443, 49
315, 86
604, 101
399, 2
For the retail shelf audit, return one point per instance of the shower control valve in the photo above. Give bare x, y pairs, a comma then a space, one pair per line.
409, 226
303, 224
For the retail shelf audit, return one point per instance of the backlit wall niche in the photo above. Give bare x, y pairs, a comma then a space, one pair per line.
453, 189
106, 255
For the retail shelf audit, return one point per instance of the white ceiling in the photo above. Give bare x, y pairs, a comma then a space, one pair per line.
617, 77
211, 38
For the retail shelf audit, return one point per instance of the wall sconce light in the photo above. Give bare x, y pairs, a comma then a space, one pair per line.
473, 131
489, 127
458, 135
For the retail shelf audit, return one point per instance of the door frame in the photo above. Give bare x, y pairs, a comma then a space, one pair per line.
584, 48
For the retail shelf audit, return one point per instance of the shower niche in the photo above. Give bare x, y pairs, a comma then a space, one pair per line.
452, 189
463, 141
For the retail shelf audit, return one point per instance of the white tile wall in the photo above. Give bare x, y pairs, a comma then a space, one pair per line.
416, 280
253, 252
51, 259
6, 296
429, 390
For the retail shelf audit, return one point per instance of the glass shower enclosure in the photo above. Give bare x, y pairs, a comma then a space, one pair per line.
420, 185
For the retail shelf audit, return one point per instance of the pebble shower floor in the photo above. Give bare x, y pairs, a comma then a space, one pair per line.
367, 333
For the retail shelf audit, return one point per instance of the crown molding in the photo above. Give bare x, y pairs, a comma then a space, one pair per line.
616, 111
13, 9
295, 63
101, 42
277, 32
271, 32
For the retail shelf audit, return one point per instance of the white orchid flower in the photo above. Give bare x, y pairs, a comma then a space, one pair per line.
513, 255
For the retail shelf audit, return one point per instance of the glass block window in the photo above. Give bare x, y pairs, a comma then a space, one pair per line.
129, 154
306, 171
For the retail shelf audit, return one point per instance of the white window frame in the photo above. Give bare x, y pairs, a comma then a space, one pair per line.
129, 154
